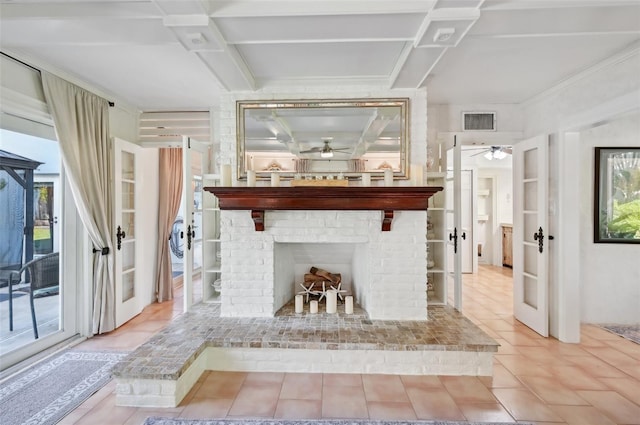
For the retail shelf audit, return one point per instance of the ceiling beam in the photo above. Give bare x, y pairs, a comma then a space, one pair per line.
249, 8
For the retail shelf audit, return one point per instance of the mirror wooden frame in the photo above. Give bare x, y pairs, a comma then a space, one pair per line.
243, 106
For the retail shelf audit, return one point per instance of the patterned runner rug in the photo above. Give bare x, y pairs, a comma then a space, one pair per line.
172, 421
630, 332
46, 392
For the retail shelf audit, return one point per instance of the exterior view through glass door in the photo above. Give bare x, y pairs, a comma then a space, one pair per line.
530, 233
31, 226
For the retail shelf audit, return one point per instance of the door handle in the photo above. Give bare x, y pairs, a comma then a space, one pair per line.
190, 234
454, 237
539, 236
120, 235
464, 235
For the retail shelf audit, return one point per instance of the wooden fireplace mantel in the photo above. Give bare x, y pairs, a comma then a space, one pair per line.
386, 199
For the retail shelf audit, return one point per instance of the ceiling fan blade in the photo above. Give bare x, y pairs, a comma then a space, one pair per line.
481, 152
312, 150
507, 150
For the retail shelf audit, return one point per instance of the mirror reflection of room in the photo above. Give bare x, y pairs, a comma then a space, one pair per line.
336, 136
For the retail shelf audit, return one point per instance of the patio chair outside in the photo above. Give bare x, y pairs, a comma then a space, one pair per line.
38, 277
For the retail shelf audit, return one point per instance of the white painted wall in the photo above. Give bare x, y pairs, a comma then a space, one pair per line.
611, 272
608, 89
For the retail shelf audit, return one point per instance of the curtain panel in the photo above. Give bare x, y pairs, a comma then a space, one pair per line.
81, 121
170, 176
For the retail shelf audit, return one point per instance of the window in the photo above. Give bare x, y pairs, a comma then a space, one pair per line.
617, 195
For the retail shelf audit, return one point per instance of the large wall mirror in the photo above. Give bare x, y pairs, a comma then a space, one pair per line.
302, 137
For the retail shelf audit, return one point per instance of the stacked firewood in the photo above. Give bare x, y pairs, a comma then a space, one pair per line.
318, 276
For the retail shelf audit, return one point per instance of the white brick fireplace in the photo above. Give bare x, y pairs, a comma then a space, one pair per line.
386, 271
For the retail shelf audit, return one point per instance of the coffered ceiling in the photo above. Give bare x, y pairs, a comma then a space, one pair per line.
181, 54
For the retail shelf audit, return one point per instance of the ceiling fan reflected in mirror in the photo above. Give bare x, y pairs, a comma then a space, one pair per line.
325, 151
494, 152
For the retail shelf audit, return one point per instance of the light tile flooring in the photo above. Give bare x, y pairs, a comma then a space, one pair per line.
535, 379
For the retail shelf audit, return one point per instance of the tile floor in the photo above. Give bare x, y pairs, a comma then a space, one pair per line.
535, 379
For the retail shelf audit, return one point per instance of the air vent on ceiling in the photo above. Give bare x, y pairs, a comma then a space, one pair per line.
479, 121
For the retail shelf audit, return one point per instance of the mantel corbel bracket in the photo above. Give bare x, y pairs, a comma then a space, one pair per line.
258, 220
387, 218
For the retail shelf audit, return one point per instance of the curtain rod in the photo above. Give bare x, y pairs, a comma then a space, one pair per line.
111, 103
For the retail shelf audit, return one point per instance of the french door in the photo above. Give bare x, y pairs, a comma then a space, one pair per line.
194, 166
127, 194
454, 233
56, 229
530, 233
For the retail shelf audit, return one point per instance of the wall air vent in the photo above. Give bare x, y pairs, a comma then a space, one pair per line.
478, 121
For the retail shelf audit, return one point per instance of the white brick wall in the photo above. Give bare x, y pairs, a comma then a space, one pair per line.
392, 282
389, 268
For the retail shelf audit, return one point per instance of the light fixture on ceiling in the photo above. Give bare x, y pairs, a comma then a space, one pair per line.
497, 153
327, 152
196, 38
443, 34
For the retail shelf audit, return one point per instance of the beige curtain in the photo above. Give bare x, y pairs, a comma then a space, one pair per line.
170, 175
81, 121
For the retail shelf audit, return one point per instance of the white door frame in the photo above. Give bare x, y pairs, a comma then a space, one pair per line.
565, 283
453, 233
468, 210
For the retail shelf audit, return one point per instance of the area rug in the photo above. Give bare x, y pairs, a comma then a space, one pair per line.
173, 421
46, 392
630, 332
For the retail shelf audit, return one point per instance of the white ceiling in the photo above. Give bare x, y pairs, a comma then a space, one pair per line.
181, 54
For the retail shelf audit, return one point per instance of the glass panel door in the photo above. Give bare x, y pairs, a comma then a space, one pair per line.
126, 195
194, 166
454, 222
530, 234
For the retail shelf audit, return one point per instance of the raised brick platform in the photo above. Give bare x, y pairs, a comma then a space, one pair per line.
163, 370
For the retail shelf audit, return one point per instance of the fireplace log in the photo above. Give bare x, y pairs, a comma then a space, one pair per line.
308, 278
334, 278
